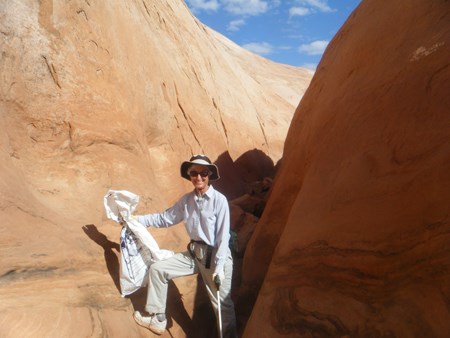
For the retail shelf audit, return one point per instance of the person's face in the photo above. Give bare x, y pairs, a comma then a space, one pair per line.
199, 175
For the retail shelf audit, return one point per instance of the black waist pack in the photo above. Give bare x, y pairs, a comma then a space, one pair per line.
199, 250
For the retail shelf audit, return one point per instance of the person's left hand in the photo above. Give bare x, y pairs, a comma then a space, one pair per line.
221, 275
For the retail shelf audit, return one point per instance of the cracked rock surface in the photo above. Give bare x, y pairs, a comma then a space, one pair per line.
115, 95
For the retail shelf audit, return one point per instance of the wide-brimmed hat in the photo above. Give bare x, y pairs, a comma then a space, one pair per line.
202, 160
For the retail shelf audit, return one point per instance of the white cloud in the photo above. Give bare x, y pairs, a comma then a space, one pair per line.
320, 5
298, 11
235, 25
246, 7
260, 48
203, 5
284, 47
275, 3
313, 48
235, 7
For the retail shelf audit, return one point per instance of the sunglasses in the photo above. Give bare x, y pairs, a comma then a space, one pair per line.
203, 173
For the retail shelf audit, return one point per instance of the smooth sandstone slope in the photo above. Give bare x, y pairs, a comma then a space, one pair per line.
113, 95
356, 230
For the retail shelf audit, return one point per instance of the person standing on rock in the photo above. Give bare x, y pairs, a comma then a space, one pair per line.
206, 215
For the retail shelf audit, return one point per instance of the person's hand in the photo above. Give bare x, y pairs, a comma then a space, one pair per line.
220, 276
122, 219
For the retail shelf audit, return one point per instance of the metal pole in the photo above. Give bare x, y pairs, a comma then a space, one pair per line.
217, 282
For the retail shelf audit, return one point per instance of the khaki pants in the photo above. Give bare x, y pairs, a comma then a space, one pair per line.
182, 264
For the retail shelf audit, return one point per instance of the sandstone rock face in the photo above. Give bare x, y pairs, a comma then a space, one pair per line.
357, 229
114, 95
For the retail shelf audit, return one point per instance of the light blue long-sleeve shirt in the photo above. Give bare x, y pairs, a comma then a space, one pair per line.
207, 218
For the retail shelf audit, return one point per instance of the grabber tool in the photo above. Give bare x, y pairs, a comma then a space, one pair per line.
217, 283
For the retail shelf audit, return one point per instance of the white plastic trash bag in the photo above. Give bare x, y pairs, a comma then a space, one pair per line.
135, 260
120, 202
138, 248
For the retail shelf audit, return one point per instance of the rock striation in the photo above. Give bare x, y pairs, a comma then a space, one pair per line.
355, 237
114, 95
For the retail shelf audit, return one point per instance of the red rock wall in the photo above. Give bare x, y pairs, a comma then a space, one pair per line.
357, 227
98, 95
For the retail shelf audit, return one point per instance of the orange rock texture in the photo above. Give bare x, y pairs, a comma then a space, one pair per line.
99, 95
357, 228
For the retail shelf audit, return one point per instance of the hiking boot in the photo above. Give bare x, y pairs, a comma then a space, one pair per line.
150, 322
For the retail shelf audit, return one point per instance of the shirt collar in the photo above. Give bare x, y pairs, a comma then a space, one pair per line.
210, 191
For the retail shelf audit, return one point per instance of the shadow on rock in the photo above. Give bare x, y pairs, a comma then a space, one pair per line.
176, 310
111, 260
238, 177
204, 319
246, 182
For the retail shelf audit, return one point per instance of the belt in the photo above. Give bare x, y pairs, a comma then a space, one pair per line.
209, 250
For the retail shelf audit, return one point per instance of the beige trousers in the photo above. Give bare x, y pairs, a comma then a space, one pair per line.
182, 264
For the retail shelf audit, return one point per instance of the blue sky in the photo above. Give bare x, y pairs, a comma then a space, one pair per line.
294, 32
